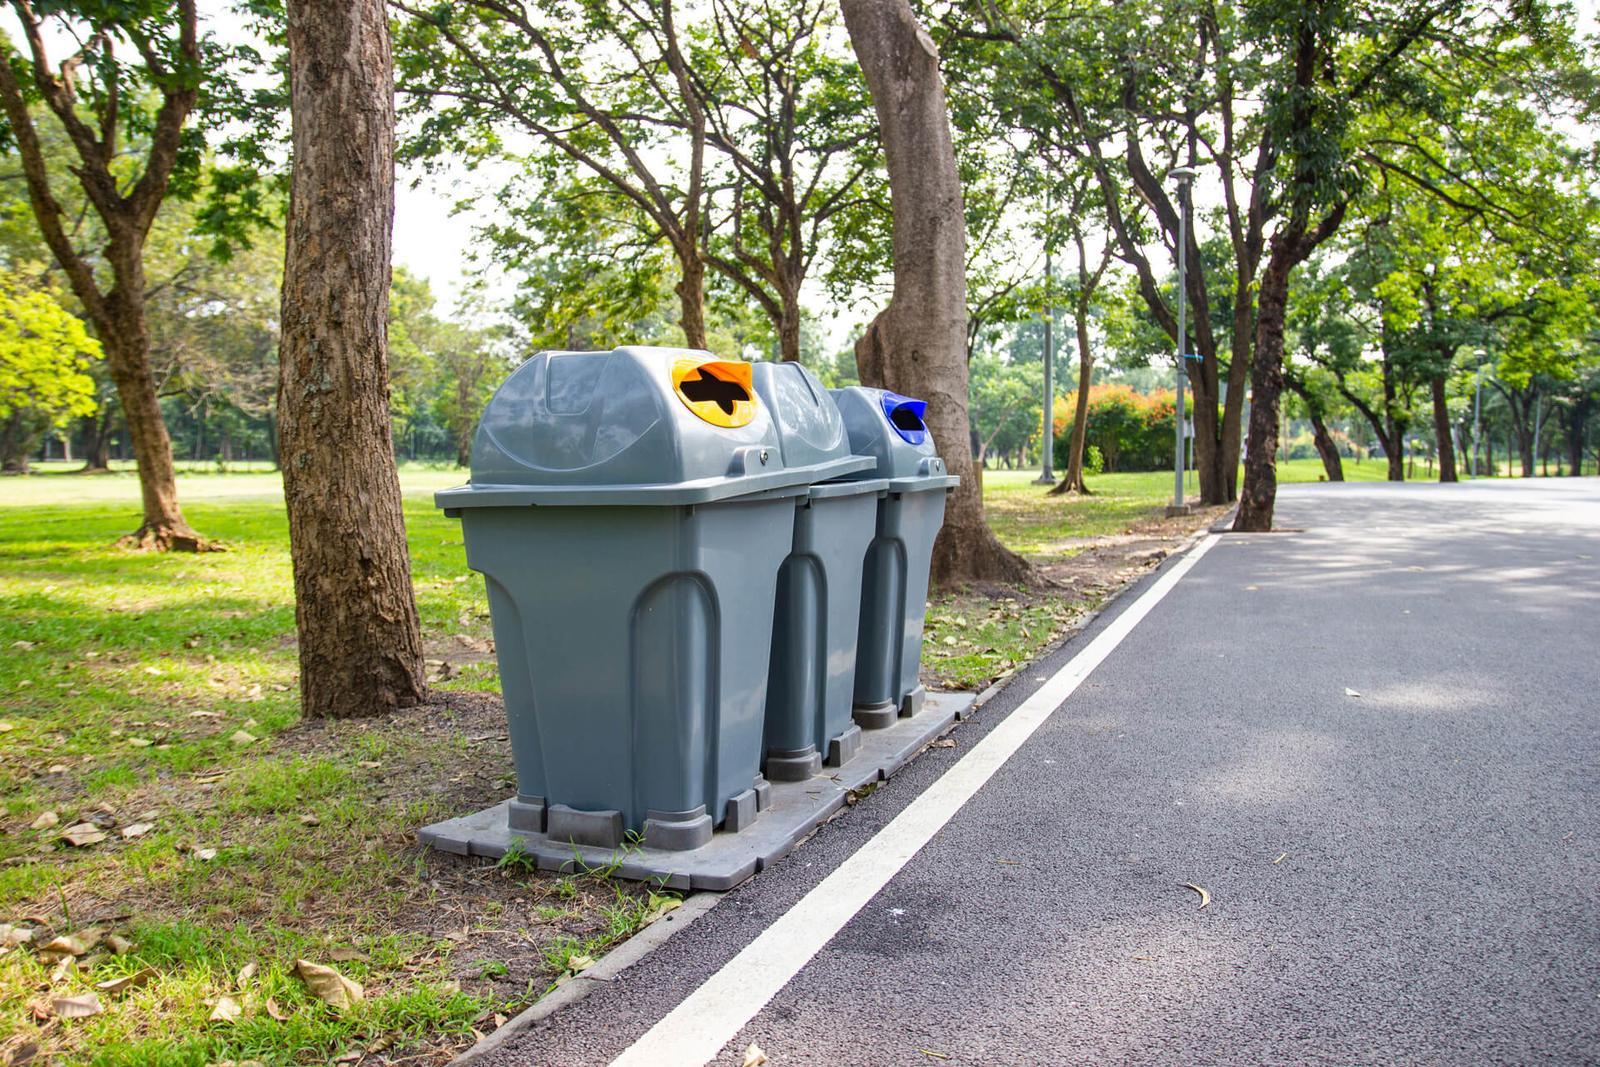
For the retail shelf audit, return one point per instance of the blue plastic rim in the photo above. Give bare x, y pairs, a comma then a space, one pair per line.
905, 415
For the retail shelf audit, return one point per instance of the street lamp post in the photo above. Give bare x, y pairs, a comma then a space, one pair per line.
1046, 475
1184, 176
1477, 416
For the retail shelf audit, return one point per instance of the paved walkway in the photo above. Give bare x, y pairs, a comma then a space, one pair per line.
1411, 875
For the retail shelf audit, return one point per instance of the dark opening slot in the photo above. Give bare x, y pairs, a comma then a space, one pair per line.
904, 418
719, 391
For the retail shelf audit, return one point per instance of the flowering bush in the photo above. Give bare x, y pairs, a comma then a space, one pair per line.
1132, 431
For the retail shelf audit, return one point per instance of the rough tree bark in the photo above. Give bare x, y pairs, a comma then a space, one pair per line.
917, 345
360, 642
1577, 415
1441, 432
127, 212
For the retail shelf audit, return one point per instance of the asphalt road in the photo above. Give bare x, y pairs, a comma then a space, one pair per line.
1409, 876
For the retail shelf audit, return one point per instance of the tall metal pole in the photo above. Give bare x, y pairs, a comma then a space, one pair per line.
1184, 176
1046, 475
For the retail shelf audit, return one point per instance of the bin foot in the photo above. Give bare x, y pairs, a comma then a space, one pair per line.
879, 716
912, 702
526, 813
843, 749
741, 811
602, 829
677, 831
763, 791
793, 764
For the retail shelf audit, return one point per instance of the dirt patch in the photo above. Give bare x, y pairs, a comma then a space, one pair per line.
1099, 565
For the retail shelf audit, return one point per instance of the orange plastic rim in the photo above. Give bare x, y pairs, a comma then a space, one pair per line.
721, 392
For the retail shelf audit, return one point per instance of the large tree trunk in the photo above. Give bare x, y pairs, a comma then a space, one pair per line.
1259, 495
360, 642
789, 324
917, 345
1441, 432
691, 290
1073, 482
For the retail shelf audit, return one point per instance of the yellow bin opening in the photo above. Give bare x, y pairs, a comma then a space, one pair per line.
722, 392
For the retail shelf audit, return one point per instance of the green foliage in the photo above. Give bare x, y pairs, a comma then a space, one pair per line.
45, 353
1131, 431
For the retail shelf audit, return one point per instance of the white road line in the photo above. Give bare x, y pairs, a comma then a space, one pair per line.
695, 1031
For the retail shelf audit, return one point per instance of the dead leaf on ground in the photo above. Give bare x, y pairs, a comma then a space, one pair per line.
79, 1007
276, 1012
1205, 895
126, 981
11, 936
935, 1055
64, 968
247, 972
310, 820
77, 943
242, 738
328, 985
227, 1010
45, 821
579, 963
205, 853
661, 908
345, 955
83, 834
120, 946
753, 1056
944, 742
138, 829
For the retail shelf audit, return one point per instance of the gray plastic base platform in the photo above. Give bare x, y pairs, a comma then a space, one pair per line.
793, 811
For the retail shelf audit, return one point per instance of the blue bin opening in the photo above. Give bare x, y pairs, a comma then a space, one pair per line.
905, 415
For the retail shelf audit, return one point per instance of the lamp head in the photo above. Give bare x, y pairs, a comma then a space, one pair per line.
1182, 175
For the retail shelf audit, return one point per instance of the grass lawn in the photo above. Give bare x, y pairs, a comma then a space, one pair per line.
148, 711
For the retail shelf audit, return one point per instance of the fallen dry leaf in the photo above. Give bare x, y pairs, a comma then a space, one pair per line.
227, 1010
79, 1007
83, 834
946, 742
126, 981
580, 962
276, 1012
242, 738
935, 1055
247, 972
140, 742
11, 936
328, 985
138, 829
64, 968
1205, 896
345, 955
77, 943
119, 946
310, 820
661, 908
45, 820
753, 1056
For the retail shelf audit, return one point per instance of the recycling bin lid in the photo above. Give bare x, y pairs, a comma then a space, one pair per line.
811, 431
633, 426
890, 428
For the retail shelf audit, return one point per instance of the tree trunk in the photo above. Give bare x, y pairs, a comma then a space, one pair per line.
1259, 495
360, 641
1441, 432
1332, 464
789, 325
1073, 482
917, 345
1577, 416
17, 441
126, 342
97, 442
691, 290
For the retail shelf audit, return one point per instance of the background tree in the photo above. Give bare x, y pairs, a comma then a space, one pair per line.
129, 126
360, 640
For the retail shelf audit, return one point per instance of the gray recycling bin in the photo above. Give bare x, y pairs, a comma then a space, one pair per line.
812, 676
894, 592
630, 511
